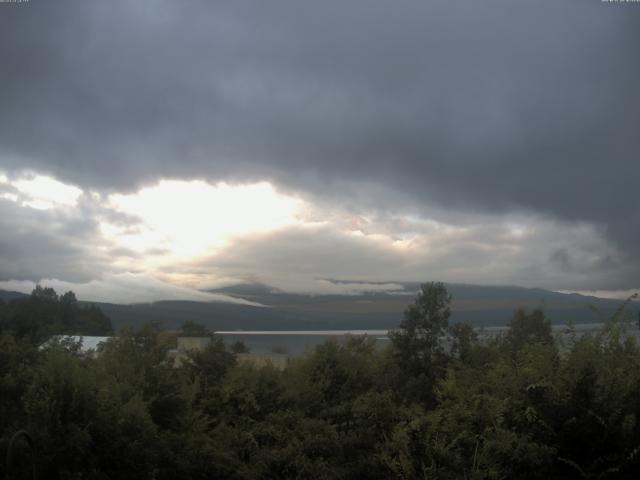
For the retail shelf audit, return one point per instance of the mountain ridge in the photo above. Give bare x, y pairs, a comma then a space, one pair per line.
474, 304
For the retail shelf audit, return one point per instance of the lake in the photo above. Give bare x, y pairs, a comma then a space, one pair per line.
297, 342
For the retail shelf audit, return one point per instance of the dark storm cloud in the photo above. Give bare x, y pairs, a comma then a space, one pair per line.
66, 248
480, 106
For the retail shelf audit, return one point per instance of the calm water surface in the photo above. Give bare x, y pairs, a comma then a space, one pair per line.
297, 342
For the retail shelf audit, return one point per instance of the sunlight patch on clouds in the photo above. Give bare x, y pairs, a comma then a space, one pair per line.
9, 196
190, 218
141, 239
46, 192
518, 230
193, 234
41, 192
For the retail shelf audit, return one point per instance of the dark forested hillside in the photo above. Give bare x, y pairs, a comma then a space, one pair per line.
6, 296
472, 304
476, 305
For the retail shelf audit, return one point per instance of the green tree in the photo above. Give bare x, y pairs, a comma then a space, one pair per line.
91, 320
529, 327
209, 366
239, 347
194, 329
69, 304
44, 294
463, 341
418, 342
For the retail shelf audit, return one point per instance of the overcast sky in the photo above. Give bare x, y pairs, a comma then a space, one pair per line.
153, 149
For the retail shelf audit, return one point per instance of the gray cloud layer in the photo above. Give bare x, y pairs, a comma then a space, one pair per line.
479, 107
36, 243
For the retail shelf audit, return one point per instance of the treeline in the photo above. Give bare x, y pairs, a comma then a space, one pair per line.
436, 403
44, 313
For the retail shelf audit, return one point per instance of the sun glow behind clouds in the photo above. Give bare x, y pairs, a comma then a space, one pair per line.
191, 234
189, 218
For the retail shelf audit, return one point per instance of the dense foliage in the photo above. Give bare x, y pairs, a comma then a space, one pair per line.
36, 318
436, 403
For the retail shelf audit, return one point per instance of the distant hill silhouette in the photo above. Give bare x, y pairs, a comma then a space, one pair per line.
477, 305
7, 295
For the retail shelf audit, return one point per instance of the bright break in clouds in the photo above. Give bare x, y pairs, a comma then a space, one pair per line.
157, 149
